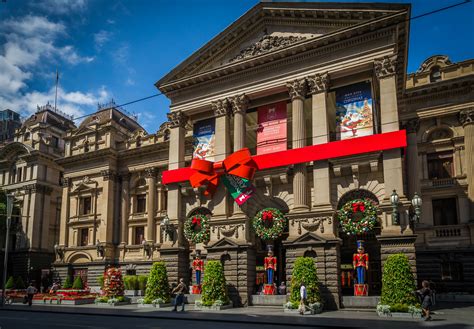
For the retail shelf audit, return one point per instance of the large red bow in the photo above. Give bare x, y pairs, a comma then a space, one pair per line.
196, 221
358, 206
267, 216
206, 173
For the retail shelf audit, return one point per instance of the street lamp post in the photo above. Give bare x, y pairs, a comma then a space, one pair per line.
416, 203
10, 198
395, 199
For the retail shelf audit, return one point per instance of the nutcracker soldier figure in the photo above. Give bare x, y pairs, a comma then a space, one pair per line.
360, 261
270, 265
198, 266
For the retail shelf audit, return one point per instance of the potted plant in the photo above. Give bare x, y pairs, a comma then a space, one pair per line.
214, 289
157, 292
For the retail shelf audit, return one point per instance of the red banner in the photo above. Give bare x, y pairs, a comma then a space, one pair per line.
271, 133
331, 150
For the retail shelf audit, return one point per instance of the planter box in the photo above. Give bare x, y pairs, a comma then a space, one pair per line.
211, 308
112, 305
307, 312
154, 305
81, 301
133, 293
400, 315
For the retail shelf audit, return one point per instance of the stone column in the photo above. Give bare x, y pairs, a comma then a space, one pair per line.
222, 112
239, 109
125, 211
150, 175
65, 205
412, 127
297, 90
467, 119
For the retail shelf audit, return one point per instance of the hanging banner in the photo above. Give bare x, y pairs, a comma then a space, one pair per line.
204, 139
240, 189
354, 117
271, 133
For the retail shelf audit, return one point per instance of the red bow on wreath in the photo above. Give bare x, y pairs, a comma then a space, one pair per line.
196, 221
267, 216
358, 206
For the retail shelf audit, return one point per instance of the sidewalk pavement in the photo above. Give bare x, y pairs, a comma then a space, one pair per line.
449, 315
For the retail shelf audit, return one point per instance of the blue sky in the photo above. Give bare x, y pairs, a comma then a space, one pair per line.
118, 49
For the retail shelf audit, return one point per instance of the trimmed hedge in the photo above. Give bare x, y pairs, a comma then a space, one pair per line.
67, 283
398, 282
130, 282
305, 271
78, 283
10, 283
214, 286
142, 280
157, 286
20, 284
100, 281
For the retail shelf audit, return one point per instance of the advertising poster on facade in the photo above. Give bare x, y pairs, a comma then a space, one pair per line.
271, 133
354, 116
204, 139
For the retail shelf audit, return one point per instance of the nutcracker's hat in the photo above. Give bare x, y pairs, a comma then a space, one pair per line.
198, 253
270, 248
360, 244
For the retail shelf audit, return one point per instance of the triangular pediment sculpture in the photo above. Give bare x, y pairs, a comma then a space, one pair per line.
309, 238
223, 243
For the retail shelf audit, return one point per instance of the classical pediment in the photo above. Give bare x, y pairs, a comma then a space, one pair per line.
223, 243
273, 28
309, 238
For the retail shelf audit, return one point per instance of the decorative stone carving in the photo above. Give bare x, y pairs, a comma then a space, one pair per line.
239, 103
227, 230
386, 66
108, 174
297, 88
318, 83
177, 119
266, 44
65, 181
466, 116
59, 252
412, 126
311, 224
221, 107
432, 61
150, 172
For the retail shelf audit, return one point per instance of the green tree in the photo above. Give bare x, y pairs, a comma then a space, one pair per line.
100, 281
20, 284
142, 280
214, 286
67, 283
78, 283
10, 283
157, 285
304, 271
398, 282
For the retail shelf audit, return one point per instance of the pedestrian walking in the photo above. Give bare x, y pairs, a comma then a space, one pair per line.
179, 291
302, 306
30, 292
425, 295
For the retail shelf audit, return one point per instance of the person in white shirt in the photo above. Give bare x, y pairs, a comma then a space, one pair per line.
30, 292
303, 298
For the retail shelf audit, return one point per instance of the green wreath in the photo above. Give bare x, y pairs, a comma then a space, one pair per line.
196, 228
269, 223
357, 216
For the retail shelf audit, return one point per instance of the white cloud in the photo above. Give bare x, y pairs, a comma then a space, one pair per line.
60, 6
101, 38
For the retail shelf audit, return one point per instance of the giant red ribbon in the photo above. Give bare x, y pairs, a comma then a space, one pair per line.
206, 173
241, 164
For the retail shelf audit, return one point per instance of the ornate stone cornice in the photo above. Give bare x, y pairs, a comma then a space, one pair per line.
297, 88
150, 172
221, 107
386, 66
177, 119
466, 116
227, 230
412, 125
65, 182
318, 83
239, 103
108, 174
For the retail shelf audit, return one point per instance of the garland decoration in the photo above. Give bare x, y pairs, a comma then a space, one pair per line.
196, 228
357, 216
269, 223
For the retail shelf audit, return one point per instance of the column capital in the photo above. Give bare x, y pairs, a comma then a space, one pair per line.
297, 88
108, 174
150, 172
386, 66
318, 83
412, 126
221, 107
177, 119
466, 116
65, 182
239, 103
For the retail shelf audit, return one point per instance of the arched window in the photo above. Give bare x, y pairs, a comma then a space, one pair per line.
435, 74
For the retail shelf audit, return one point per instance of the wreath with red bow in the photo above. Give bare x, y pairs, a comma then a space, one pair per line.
196, 228
269, 223
358, 216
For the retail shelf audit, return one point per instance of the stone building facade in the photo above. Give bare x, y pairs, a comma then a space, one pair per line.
29, 171
299, 54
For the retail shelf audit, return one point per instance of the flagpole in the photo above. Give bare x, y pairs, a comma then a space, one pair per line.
56, 94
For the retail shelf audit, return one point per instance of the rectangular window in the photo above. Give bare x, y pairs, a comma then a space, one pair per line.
440, 165
141, 203
55, 141
85, 206
139, 235
451, 271
445, 212
84, 237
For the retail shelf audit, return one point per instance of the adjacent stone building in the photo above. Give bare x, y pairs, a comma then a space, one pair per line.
9, 122
301, 55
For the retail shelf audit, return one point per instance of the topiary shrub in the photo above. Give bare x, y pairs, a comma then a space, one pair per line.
113, 282
10, 283
398, 283
67, 283
78, 283
142, 279
20, 284
157, 286
214, 286
304, 270
130, 282
100, 280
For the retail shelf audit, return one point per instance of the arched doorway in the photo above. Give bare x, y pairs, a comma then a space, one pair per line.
349, 247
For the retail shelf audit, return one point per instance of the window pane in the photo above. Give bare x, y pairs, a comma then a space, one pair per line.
141, 203
445, 212
139, 235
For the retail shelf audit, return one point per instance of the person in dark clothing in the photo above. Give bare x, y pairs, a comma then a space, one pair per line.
179, 291
425, 296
